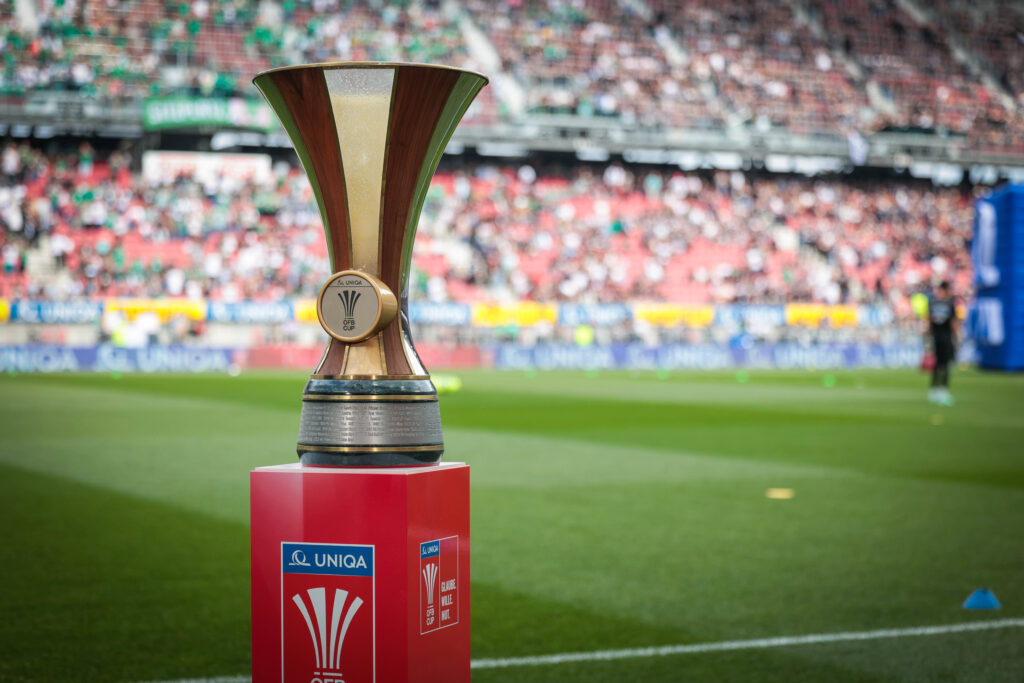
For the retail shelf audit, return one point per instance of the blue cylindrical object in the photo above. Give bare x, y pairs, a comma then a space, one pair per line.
998, 256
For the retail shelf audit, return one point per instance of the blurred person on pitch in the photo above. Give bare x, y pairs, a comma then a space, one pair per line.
942, 324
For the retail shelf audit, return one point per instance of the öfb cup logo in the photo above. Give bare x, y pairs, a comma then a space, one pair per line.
327, 613
429, 577
439, 584
349, 299
327, 646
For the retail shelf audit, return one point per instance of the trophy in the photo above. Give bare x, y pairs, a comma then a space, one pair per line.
369, 136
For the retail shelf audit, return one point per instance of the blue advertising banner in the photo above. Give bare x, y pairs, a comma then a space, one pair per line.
48, 358
601, 315
251, 312
707, 356
429, 313
56, 312
875, 316
452, 314
751, 315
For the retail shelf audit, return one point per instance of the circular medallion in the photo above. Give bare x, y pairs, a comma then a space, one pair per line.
353, 306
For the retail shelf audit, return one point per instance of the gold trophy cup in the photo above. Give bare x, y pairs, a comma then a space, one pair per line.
369, 136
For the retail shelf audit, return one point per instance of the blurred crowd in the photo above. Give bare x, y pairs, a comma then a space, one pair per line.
806, 66
992, 31
927, 86
701, 64
83, 225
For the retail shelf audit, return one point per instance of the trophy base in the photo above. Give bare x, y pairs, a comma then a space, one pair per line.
370, 423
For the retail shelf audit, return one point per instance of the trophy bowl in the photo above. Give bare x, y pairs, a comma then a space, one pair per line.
369, 136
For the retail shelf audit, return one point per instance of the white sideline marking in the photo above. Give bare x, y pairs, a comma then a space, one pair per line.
784, 641
696, 648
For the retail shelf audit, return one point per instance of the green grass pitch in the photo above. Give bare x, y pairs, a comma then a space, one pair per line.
610, 510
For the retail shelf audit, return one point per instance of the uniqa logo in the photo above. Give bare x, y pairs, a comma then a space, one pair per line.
337, 560
298, 559
327, 644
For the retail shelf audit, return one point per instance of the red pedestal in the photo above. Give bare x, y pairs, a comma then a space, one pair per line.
360, 575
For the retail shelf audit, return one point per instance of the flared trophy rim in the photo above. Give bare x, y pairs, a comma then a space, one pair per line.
369, 65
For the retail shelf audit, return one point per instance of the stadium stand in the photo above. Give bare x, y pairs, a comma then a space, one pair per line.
583, 233
766, 67
818, 66
992, 31
917, 71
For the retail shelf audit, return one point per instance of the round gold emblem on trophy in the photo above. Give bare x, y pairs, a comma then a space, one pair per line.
353, 306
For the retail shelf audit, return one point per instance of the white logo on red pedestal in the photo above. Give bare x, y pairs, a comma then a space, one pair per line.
439, 584
429, 577
327, 613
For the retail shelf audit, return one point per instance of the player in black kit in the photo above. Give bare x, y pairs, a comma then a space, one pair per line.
942, 325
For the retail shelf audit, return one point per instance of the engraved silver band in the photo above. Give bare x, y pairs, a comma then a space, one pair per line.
370, 423
378, 421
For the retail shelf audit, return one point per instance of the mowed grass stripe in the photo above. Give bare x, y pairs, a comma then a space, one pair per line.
520, 459
911, 440
879, 394
986, 398
927, 439
195, 453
